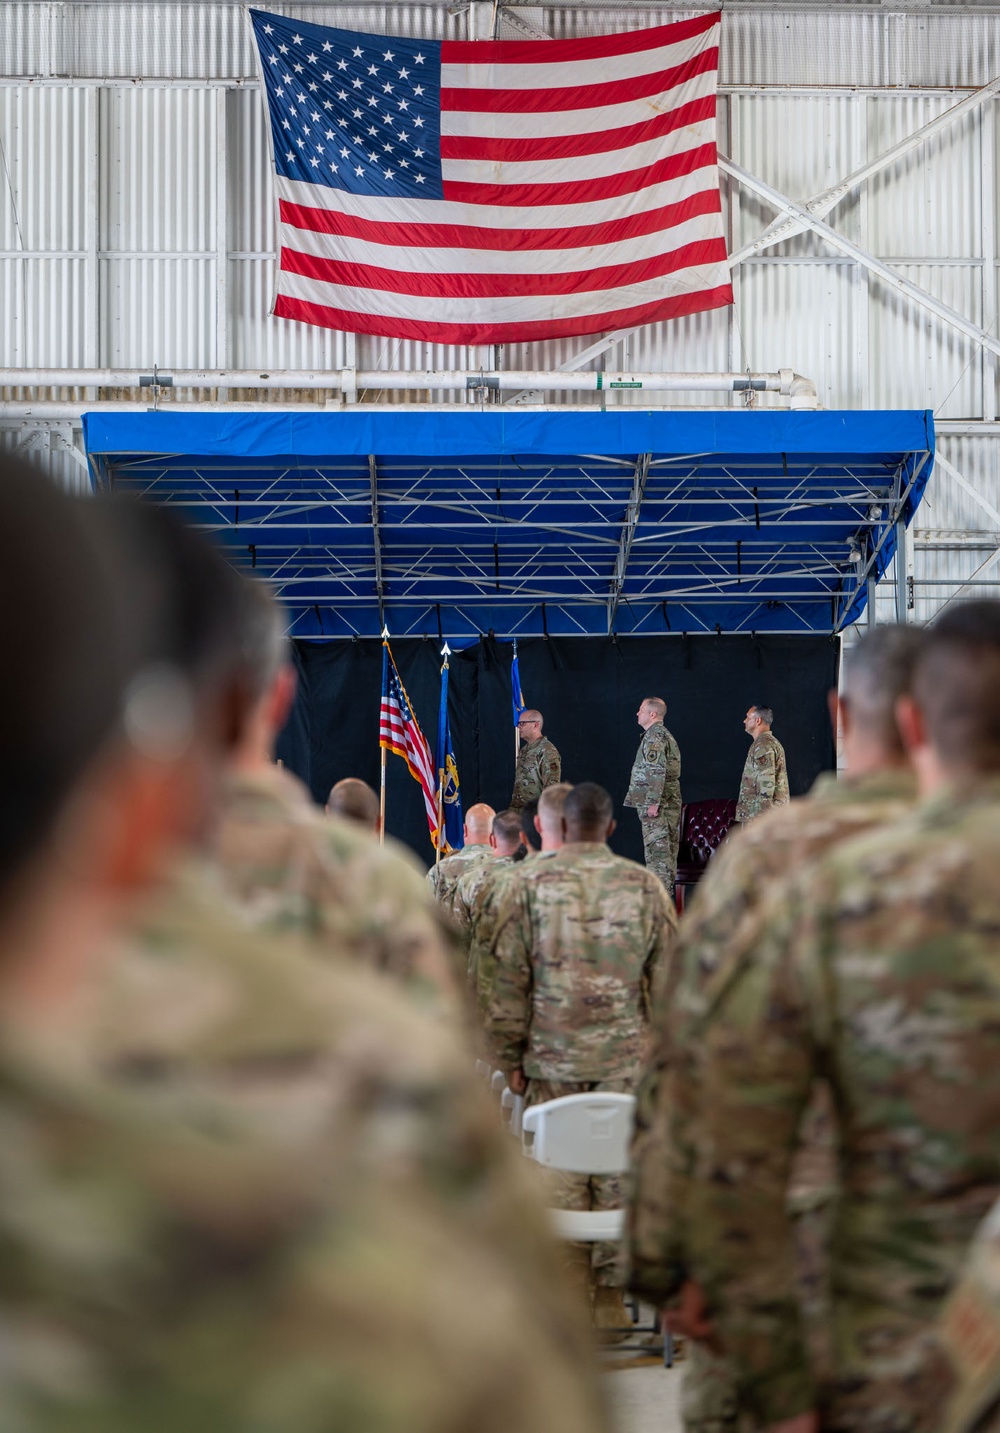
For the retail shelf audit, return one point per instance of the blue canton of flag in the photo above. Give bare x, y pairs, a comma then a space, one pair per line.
517, 697
447, 773
352, 111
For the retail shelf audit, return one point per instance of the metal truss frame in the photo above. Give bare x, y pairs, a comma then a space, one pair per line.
592, 544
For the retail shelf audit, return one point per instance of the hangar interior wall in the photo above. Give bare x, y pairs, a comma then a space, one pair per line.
136, 229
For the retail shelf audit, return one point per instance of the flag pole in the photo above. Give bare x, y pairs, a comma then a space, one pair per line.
445, 653
381, 804
381, 794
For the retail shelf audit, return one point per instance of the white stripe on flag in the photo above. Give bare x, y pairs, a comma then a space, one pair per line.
496, 216
492, 261
604, 118
601, 71
503, 309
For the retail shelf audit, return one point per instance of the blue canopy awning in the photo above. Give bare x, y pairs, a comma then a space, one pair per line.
519, 522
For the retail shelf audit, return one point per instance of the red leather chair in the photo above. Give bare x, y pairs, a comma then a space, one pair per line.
703, 828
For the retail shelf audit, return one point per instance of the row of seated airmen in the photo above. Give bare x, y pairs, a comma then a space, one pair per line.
248, 1180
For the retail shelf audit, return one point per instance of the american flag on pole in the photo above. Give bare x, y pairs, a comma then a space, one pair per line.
494, 191
399, 731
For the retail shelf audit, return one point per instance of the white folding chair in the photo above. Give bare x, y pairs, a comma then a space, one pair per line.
585, 1134
498, 1083
512, 1111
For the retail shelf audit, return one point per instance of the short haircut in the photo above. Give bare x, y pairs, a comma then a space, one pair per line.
528, 813
198, 597
507, 826
878, 670
66, 646
957, 685
355, 800
552, 802
766, 714
588, 808
656, 704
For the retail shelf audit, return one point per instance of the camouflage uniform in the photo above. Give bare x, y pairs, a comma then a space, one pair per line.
580, 947
489, 902
443, 878
877, 969
720, 927
656, 781
284, 866
470, 883
538, 765
971, 1332
764, 782
296, 1260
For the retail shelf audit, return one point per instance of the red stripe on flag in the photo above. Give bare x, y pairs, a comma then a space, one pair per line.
596, 47
581, 191
429, 332
550, 100
502, 285
469, 236
565, 146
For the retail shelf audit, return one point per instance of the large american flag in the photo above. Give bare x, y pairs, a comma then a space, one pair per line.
399, 731
494, 191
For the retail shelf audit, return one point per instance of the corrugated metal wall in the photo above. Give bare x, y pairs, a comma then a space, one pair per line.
135, 221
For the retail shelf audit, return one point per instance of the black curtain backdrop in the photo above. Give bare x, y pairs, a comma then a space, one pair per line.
588, 690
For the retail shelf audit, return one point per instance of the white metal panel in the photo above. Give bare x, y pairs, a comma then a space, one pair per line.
46, 141
924, 204
824, 340
155, 310
829, 144
918, 362
760, 46
41, 312
159, 165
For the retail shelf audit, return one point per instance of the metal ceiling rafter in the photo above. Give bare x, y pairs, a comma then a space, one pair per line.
376, 537
861, 256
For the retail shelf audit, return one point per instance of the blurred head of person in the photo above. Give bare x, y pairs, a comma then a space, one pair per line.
268, 680
588, 813
530, 829
505, 837
549, 817
355, 801
951, 723
97, 719
878, 670
189, 619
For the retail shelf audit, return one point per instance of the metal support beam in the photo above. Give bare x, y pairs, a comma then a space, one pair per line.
821, 204
872, 585
629, 526
941, 462
902, 571
888, 276
376, 537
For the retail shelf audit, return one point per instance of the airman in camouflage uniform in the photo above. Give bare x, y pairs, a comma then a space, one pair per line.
265, 1217
654, 790
538, 762
286, 867
546, 826
443, 878
580, 946
764, 782
269, 1216
877, 969
508, 849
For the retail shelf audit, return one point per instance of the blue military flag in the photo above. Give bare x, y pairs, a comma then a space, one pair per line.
517, 696
451, 836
